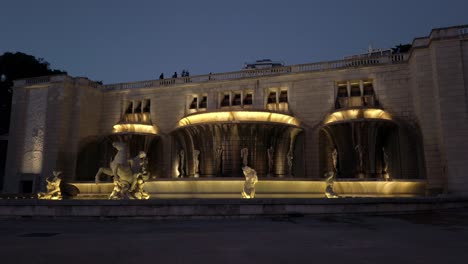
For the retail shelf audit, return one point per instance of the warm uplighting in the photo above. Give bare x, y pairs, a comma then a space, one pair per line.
135, 128
32, 160
381, 188
34, 137
357, 114
377, 113
231, 188
239, 116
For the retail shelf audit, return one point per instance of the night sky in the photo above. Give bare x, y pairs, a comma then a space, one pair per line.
121, 41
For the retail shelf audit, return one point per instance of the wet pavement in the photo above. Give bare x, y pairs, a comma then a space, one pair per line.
439, 237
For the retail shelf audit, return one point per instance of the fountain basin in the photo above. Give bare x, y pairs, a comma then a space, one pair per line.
274, 188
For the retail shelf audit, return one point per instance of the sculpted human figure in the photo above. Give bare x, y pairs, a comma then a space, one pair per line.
270, 154
385, 165
140, 162
249, 185
117, 191
53, 188
128, 175
219, 159
138, 191
329, 181
182, 163
358, 149
330, 176
196, 162
385, 161
290, 161
245, 156
130, 179
140, 176
335, 160
122, 183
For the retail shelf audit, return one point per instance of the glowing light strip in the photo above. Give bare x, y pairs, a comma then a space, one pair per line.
357, 114
202, 188
135, 128
239, 116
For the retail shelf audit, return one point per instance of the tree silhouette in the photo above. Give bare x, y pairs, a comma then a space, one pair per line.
15, 66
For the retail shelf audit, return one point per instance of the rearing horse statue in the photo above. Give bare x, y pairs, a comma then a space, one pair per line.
129, 175
121, 158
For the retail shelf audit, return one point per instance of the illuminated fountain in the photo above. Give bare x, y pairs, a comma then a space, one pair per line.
210, 150
370, 143
135, 129
360, 135
226, 141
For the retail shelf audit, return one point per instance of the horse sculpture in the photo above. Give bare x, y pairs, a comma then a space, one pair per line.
120, 158
129, 176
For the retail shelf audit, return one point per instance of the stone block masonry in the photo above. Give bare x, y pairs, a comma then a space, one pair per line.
424, 91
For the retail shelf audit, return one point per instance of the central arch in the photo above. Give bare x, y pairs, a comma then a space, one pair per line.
220, 136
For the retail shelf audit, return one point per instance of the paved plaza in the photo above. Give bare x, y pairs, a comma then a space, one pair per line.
440, 237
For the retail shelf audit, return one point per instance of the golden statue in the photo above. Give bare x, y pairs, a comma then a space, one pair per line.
53, 188
250, 180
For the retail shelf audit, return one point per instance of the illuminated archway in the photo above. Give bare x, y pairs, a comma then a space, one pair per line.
220, 136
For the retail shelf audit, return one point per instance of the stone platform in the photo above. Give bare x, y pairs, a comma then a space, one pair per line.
222, 208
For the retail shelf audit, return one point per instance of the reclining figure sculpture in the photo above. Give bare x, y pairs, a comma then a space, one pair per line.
53, 188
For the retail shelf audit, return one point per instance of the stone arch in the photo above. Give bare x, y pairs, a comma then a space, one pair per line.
400, 141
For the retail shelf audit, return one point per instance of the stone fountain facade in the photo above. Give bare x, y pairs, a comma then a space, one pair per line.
390, 117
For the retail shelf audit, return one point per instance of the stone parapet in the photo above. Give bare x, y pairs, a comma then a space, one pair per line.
223, 208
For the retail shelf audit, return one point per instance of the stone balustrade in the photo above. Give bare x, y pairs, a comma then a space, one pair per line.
254, 73
33, 81
54, 79
441, 33
38, 80
310, 67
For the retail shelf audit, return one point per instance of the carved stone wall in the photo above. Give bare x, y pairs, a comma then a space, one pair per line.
33, 145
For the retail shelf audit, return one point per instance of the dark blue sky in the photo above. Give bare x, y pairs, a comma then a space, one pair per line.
122, 40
